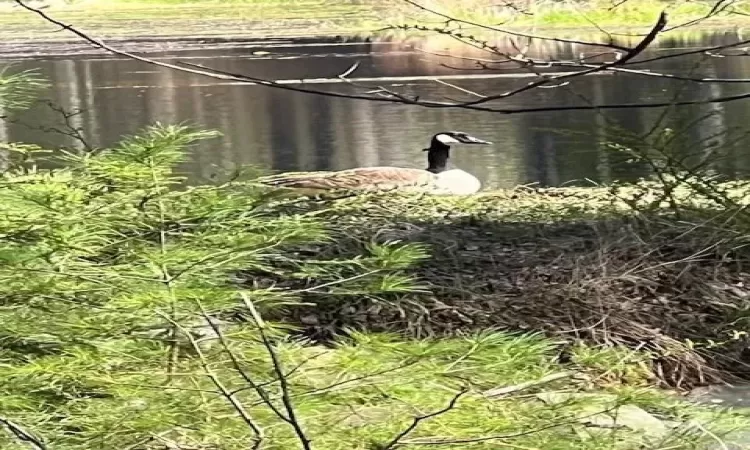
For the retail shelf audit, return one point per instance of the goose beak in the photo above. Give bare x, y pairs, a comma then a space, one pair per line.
473, 140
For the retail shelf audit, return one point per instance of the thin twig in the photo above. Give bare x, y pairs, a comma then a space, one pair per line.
459, 88
496, 392
515, 33
231, 398
23, 435
286, 399
381, 94
337, 384
252, 384
397, 440
452, 441
712, 435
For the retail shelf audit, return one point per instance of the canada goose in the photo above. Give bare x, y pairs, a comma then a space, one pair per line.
436, 179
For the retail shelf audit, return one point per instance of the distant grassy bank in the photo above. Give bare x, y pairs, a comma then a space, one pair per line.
593, 13
285, 18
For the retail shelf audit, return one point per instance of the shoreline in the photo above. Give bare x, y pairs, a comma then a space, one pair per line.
34, 48
161, 44
194, 26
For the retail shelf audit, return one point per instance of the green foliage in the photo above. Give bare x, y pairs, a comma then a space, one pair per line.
685, 168
19, 89
132, 308
112, 245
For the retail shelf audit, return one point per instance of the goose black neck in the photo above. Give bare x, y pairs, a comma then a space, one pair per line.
437, 156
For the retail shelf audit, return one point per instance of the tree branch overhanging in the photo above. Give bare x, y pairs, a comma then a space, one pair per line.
450, 19
481, 102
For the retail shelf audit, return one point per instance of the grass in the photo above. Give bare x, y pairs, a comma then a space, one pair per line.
243, 19
367, 390
283, 18
588, 14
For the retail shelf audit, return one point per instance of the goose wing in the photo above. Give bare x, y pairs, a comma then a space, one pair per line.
365, 178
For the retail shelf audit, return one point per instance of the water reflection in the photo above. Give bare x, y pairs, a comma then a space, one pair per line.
282, 130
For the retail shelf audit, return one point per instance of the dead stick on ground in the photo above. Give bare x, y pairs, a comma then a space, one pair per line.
496, 392
23, 435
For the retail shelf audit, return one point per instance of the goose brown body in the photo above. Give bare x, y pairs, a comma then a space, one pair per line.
363, 178
436, 179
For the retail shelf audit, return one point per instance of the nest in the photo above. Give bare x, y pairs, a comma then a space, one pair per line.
658, 285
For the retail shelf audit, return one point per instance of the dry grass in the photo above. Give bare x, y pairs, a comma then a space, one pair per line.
568, 262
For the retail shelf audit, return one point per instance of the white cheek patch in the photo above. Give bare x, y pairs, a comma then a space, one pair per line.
445, 139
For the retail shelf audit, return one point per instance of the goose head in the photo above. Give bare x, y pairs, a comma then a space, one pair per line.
448, 138
439, 149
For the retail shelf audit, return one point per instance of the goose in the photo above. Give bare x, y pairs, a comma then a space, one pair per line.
435, 179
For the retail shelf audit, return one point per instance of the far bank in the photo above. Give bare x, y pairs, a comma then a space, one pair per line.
165, 25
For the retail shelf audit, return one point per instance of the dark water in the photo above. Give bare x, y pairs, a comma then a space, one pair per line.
282, 130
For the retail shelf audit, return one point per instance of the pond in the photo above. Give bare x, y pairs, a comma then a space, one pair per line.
283, 131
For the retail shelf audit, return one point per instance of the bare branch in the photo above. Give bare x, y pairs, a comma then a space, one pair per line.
516, 33
360, 378
495, 437
286, 399
706, 50
719, 7
337, 384
497, 392
212, 73
349, 71
23, 435
68, 128
516, 8
385, 94
265, 398
397, 441
631, 53
382, 94
660, 24
484, 63
617, 5
231, 398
